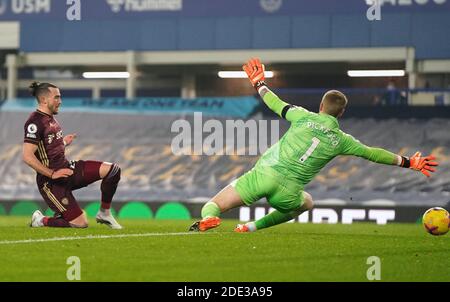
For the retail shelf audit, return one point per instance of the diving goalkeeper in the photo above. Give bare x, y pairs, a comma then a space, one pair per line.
281, 173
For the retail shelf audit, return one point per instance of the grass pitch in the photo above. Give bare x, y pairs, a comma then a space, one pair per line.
158, 250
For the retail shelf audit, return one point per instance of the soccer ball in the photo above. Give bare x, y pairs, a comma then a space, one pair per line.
436, 221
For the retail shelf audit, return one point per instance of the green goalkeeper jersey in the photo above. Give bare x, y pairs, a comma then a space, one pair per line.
312, 140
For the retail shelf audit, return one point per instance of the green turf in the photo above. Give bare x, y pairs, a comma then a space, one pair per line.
290, 252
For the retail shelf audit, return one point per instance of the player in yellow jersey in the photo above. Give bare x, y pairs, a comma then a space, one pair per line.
281, 173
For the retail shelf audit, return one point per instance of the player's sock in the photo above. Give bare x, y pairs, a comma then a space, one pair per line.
210, 209
105, 206
274, 218
109, 186
105, 211
57, 222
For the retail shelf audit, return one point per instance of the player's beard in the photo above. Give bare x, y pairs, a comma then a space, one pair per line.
54, 109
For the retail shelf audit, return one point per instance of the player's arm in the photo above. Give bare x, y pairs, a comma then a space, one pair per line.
29, 149
31, 160
426, 164
33, 135
255, 72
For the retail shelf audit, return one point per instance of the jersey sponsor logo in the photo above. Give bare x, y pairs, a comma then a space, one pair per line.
52, 136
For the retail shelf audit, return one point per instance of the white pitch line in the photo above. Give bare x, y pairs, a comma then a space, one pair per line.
6, 242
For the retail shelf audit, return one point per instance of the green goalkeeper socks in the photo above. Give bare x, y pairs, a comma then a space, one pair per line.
275, 218
210, 209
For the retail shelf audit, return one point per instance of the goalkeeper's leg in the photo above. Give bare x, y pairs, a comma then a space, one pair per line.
225, 200
277, 217
246, 190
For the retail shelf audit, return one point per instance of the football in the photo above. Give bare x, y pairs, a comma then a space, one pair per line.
436, 221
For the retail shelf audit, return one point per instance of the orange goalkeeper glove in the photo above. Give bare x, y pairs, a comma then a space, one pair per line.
255, 72
424, 164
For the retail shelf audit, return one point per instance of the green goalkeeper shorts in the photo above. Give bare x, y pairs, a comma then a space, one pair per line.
282, 194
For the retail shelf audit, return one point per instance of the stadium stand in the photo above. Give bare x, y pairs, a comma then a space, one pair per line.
143, 141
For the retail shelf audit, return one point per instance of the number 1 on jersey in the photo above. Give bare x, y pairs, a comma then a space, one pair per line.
315, 143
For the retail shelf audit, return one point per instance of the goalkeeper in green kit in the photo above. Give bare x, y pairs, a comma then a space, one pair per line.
281, 173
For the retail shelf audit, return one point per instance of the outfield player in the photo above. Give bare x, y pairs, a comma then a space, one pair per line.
281, 173
43, 150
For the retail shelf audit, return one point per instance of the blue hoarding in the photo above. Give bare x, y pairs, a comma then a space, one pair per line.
131, 9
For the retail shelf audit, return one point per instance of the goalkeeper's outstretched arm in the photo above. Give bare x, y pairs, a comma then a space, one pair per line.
255, 72
274, 103
417, 162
